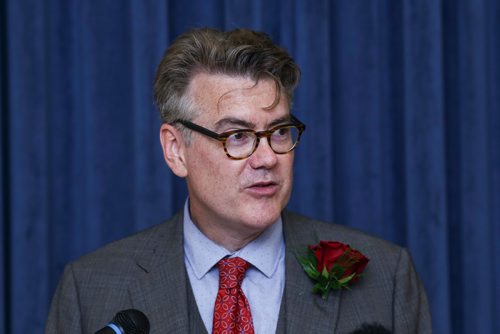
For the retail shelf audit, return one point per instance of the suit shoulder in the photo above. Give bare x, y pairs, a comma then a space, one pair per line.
121, 254
315, 230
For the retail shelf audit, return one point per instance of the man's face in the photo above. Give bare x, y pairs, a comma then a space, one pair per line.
236, 197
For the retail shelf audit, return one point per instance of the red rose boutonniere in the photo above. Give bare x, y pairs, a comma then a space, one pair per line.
333, 266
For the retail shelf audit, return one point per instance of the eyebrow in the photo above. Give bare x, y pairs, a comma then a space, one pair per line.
232, 121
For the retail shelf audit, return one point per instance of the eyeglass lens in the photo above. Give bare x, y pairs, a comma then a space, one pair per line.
242, 144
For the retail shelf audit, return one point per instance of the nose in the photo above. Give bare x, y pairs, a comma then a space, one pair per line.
264, 156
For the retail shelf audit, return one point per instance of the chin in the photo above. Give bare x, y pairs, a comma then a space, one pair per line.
262, 218
261, 213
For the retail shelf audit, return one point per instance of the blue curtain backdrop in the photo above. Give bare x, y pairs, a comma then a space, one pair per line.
401, 99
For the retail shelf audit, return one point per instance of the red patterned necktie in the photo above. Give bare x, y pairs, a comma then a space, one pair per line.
232, 311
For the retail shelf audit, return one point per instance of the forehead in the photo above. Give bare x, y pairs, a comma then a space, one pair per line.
219, 94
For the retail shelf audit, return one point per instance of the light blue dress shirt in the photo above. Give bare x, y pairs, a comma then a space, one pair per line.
264, 281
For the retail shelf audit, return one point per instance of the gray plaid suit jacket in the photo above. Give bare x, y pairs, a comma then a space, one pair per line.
146, 271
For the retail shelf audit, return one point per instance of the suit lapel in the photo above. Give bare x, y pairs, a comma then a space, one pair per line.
304, 311
163, 287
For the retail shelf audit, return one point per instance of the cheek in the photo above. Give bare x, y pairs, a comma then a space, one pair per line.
286, 165
211, 171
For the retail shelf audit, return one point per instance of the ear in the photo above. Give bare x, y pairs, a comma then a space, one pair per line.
173, 147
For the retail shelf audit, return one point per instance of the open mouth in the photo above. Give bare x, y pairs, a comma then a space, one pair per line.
265, 188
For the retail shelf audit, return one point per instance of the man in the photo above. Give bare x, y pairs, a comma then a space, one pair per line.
224, 99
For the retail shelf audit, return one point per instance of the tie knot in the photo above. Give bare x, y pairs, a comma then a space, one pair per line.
231, 272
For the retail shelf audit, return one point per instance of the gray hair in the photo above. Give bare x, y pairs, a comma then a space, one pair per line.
240, 52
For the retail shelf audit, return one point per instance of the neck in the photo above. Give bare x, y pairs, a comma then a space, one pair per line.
229, 239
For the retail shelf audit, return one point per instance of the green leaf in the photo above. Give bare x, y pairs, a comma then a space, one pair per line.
308, 267
347, 278
311, 257
325, 273
312, 273
338, 270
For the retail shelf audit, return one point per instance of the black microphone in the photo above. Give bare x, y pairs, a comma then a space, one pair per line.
127, 322
373, 328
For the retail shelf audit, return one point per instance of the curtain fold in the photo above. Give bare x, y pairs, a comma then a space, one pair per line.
401, 101
424, 146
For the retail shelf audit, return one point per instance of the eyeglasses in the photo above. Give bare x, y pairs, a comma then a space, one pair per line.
240, 144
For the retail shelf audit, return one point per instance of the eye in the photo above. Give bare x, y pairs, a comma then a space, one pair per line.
240, 139
281, 133
238, 136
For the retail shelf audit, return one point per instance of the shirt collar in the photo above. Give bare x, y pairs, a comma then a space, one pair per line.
203, 254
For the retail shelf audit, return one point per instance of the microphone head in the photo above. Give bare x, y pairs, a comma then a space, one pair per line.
373, 328
132, 321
